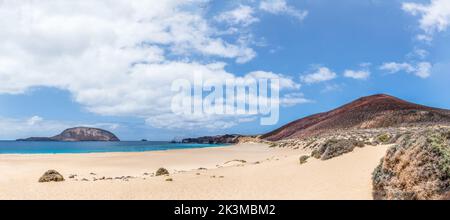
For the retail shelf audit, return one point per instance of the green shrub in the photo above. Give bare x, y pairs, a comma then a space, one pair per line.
438, 144
384, 138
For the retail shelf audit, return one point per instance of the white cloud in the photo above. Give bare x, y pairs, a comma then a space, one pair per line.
37, 126
421, 53
425, 38
394, 67
434, 17
285, 82
293, 99
357, 74
12, 128
116, 58
422, 69
242, 15
34, 120
321, 74
282, 7
418, 53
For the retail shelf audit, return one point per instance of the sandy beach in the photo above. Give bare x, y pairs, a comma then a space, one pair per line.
245, 171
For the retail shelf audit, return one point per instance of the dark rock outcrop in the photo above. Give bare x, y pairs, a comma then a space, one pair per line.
78, 134
51, 176
377, 111
417, 167
220, 139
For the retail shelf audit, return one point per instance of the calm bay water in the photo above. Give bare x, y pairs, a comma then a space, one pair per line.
32, 147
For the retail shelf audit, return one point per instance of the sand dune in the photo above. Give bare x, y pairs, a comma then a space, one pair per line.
246, 171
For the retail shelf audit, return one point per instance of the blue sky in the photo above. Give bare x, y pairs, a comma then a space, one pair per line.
396, 47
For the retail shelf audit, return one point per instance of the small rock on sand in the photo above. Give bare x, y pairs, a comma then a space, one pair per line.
238, 161
51, 176
303, 159
162, 172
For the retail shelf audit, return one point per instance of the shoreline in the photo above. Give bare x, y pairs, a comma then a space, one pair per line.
244, 171
117, 152
197, 146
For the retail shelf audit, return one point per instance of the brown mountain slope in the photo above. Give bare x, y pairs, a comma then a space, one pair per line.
375, 111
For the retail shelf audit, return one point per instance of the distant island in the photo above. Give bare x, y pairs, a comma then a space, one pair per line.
219, 139
78, 134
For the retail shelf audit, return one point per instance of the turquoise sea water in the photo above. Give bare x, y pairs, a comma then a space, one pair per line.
18, 147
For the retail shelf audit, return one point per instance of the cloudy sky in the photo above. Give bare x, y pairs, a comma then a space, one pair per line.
110, 63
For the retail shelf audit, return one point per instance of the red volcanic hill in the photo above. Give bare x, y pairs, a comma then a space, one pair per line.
377, 111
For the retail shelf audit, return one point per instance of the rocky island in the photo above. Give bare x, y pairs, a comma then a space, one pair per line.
78, 134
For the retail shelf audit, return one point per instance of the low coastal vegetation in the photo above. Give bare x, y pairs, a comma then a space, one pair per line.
334, 147
417, 167
383, 138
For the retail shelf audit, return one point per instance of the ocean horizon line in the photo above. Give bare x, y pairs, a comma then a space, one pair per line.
87, 147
